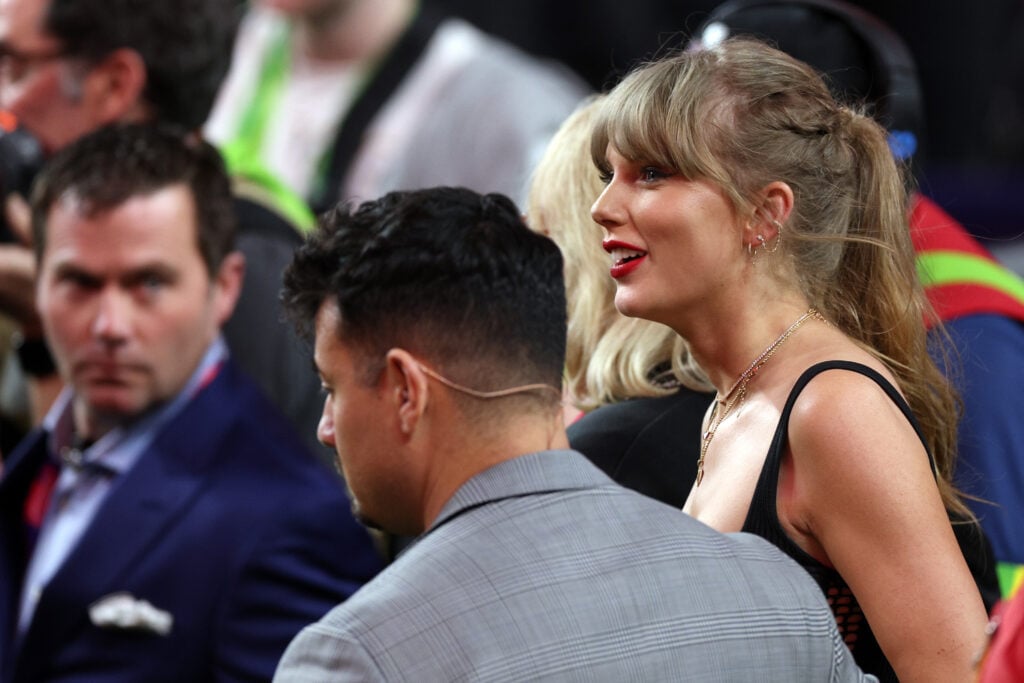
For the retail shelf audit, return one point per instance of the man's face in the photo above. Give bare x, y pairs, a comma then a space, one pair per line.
359, 422
127, 303
42, 87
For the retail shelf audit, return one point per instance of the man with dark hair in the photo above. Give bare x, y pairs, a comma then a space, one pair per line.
165, 522
439, 318
127, 162
68, 67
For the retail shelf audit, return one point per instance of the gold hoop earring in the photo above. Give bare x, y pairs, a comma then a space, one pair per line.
752, 248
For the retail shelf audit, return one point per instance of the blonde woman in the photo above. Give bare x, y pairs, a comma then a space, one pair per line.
642, 404
766, 224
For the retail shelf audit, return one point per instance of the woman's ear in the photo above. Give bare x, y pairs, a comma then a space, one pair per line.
408, 387
773, 210
763, 228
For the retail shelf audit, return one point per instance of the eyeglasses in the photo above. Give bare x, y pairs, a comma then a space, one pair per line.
17, 64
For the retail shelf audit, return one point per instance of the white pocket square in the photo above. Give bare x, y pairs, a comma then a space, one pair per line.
122, 611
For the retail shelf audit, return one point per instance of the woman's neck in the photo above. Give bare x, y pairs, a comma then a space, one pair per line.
726, 344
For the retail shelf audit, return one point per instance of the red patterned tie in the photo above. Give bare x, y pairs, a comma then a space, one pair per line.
37, 502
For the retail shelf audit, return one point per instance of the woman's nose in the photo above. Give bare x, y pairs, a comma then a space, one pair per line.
606, 210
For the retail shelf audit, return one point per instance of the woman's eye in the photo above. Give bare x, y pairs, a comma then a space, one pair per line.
606, 177
650, 173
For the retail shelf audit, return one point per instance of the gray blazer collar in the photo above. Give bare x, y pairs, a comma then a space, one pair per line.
541, 472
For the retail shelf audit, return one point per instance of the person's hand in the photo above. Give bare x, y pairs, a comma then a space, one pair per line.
18, 268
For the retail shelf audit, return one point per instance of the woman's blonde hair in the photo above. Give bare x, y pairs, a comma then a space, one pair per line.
609, 357
743, 114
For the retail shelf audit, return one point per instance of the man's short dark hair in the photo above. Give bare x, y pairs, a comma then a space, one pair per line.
106, 168
185, 44
446, 273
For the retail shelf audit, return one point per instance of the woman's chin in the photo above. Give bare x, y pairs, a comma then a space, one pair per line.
635, 307
628, 305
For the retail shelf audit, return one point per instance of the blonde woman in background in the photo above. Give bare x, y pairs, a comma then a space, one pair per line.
642, 404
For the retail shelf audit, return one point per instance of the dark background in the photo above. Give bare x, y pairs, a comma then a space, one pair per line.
970, 57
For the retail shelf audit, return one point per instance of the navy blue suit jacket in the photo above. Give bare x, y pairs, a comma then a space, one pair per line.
227, 522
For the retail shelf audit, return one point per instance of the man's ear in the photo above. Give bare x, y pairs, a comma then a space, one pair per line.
409, 388
227, 285
113, 89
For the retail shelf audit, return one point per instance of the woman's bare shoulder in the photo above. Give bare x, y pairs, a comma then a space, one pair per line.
844, 424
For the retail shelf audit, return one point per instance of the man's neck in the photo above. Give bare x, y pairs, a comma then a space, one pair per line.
353, 31
87, 425
459, 462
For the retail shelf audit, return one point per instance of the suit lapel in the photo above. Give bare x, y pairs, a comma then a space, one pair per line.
149, 499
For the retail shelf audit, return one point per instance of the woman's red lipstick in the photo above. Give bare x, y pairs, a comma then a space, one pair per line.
626, 257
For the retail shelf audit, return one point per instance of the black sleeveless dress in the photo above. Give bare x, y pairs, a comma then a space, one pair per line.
762, 519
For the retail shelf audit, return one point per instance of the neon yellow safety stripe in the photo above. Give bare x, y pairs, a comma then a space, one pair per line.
936, 268
1011, 576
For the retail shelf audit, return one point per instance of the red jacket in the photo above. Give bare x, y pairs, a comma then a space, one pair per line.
960, 276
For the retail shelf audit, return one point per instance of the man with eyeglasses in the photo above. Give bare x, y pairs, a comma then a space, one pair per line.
68, 67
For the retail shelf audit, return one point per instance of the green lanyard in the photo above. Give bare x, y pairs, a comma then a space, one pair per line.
242, 152
377, 82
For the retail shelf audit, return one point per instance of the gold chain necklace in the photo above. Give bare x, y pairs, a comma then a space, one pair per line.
738, 391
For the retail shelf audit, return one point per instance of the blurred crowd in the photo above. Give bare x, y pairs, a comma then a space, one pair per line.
400, 340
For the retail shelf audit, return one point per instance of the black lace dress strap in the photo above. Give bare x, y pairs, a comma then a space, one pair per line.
763, 520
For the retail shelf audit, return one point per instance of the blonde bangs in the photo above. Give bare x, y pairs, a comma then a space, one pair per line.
668, 114
633, 119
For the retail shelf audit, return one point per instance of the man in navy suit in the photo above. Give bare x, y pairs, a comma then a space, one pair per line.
165, 523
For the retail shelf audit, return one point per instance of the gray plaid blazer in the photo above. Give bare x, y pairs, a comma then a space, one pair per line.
542, 568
